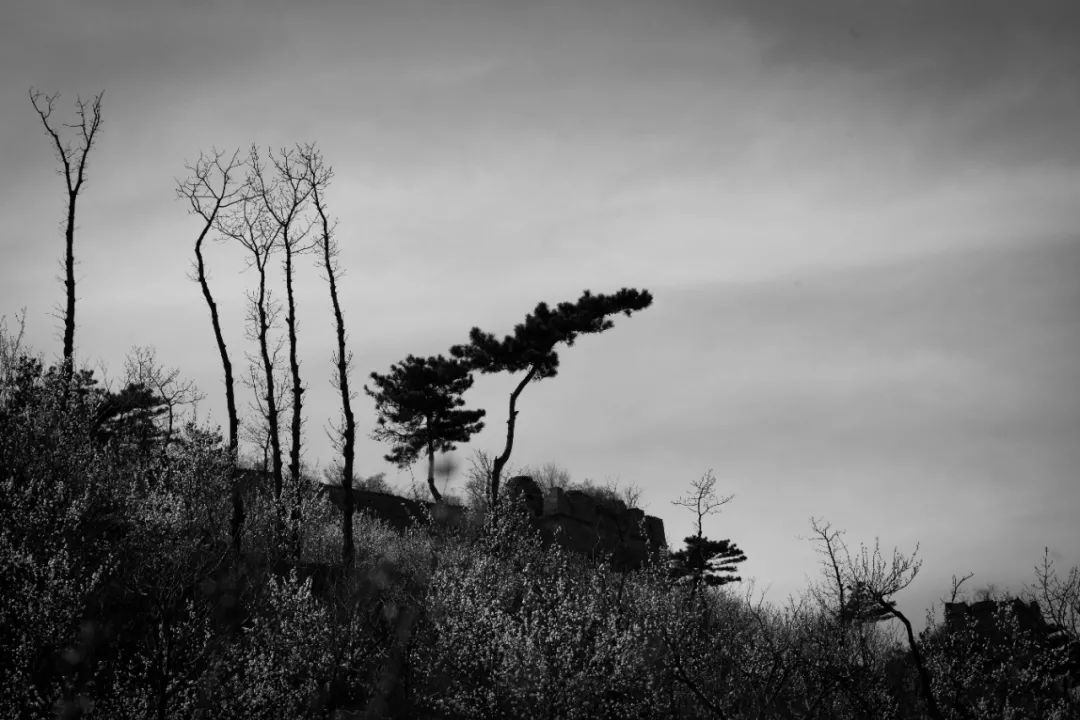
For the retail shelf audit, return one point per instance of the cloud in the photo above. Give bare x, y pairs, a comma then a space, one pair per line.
996, 79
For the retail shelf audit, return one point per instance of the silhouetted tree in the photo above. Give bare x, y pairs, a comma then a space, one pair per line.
709, 562
531, 349
705, 561
250, 224
72, 157
284, 190
141, 367
129, 416
210, 190
318, 176
859, 590
419, 406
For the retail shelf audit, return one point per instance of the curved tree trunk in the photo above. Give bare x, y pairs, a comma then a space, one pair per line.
500, 462
197, 190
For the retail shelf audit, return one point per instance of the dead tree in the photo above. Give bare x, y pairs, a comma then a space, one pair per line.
141, 367
859, 589
210, 190
284, 190
72, 157
319, 176
249, 224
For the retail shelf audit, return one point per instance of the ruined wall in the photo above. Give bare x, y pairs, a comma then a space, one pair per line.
573, 519
581, 523
985, 615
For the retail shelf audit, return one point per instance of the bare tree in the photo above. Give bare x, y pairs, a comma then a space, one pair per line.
861, 589
249, 224
478, 479
11, 352
319, 176
704, 561
1058, 596
210, 190
141, 367
284, 195
702, 500
72, 157
548, 476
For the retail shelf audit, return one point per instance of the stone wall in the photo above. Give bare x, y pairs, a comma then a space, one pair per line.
573, 519
581, 523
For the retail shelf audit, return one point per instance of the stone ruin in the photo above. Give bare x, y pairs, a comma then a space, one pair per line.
985, 616
575, 520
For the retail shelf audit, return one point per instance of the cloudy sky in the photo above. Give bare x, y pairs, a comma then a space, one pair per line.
860, 221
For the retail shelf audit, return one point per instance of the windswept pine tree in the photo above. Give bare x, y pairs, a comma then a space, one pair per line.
531, 349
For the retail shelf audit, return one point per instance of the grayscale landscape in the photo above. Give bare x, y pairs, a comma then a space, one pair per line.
492, 358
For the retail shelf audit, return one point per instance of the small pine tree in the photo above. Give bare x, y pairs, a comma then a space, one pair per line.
712, 562
705, 561
420, 410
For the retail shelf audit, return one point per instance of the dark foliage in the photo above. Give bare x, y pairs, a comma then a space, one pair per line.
531, 348
712, 562
421, 411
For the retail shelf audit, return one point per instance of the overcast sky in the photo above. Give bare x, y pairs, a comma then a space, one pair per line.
860, 221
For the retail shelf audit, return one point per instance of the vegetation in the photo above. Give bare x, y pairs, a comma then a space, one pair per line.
147, 572
419, 406
73, 163
123, 601
531, 349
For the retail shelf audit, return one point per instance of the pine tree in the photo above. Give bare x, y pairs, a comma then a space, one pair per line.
705, 561
531, 349
420, 410
712, 562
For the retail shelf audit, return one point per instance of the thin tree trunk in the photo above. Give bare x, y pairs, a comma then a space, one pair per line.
297, 401
226, 364
318, 177
924, 674
270, 397
236, 523
500, 462
223, 198
73, 160
431, 469
69, 282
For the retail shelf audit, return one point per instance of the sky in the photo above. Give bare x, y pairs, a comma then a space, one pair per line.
860, 222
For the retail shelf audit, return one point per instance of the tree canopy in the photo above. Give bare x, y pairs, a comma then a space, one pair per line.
531, 347
421, 410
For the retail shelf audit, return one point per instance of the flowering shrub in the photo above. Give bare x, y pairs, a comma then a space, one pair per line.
999, 669
124, 598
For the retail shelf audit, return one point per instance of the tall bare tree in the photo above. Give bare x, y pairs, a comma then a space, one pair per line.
72, 157
210, 190
319, 176
249, 224
284, 190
